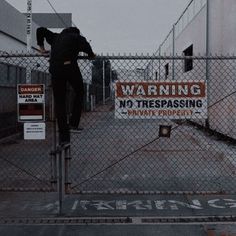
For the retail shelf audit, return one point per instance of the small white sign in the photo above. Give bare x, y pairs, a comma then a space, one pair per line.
34, 131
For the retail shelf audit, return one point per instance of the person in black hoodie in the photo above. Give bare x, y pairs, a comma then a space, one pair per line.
63, 67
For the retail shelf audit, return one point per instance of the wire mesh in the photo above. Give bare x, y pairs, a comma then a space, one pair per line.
128, 155
116, 152
26, 165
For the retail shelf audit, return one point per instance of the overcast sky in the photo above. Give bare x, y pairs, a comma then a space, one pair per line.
117, 26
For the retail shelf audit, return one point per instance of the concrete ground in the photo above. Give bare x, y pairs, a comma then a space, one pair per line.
38, 214
153, 185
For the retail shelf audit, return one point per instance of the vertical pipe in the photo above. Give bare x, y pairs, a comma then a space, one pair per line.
87, 96
173, 53
207, 34
54, 140
103, 82
60, 184
152, 69
207, 123
160, 63
110, 82
91, 103
67, 166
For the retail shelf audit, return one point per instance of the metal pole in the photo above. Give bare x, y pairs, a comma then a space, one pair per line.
87, 96
53, 155
110, 82
54, 143
92, 104
29, 37
207, 35
67, 166
173, 54
60, 184
160, 64
63, 152
207, 124
103, 82
29, 25
152, 70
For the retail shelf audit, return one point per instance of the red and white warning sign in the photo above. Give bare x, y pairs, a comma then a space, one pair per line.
31, 102
161, 99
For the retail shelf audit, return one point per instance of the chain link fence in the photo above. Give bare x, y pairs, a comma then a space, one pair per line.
151, 124
25, 164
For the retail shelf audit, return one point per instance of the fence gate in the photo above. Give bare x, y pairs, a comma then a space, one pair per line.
157, 125
151, 124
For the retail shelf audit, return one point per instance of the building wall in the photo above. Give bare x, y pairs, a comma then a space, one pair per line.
194, 33
13, 29
13, 26
9, 44
222, 31
222, 26
222, 35
221, 80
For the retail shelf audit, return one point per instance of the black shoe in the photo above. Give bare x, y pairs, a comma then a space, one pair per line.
76, 129
64, 143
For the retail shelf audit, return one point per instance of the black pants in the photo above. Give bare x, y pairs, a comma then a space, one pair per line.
60, 77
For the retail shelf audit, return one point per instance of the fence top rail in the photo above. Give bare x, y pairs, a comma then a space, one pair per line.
129, 57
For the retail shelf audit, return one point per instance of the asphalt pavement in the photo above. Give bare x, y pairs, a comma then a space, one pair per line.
123, 180
38, 214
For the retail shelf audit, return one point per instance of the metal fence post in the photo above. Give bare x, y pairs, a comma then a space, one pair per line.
87, 98
53, 165
111, 83
63, 156
173, 54
60, 179
54, 141
159, 63
103, 83
207, 123
67, 183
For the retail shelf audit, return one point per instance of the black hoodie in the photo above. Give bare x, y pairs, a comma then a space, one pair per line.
64, 46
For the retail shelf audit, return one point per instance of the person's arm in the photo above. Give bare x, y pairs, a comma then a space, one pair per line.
85, 47
42, 34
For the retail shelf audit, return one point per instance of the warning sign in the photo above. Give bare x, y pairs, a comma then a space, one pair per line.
34, 131
163, 99
31, 102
